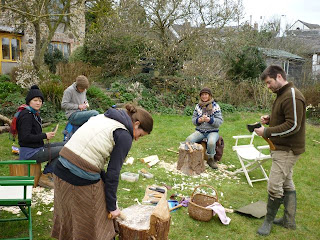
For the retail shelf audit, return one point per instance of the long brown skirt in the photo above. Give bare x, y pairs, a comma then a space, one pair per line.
80, 212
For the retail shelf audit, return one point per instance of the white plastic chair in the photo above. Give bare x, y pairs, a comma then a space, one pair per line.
250, 157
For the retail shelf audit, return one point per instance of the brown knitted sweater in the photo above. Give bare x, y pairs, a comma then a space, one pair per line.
287, 120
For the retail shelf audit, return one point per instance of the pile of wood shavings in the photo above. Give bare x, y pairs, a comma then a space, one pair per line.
137, 217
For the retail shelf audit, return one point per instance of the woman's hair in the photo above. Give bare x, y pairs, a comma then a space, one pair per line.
141, 115
272, 72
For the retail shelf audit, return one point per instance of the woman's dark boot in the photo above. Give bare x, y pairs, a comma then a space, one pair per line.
212, 163
290, 206
272, 209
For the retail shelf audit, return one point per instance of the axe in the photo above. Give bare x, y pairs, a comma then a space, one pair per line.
251, 128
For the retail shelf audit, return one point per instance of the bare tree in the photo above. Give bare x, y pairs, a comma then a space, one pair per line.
44, 15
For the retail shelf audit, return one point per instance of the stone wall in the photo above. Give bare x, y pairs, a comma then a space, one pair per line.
74, 35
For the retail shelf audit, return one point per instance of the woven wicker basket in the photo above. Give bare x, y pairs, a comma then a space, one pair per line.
198, 203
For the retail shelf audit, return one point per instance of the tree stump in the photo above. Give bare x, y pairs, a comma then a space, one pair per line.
191, 160
145, 222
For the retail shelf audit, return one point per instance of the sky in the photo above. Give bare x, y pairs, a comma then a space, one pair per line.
289, 11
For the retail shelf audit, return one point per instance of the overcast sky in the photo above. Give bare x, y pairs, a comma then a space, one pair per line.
263, 11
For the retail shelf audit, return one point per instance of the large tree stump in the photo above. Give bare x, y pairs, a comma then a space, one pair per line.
191, 160
145, 222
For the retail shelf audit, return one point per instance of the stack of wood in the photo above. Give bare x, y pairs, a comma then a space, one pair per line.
191, 159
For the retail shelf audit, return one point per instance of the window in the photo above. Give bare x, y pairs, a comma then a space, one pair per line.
63, 47
11, 48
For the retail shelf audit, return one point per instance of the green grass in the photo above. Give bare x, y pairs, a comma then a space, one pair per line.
168, 132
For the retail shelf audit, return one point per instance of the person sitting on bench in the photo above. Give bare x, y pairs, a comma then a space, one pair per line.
207, 118
30, 136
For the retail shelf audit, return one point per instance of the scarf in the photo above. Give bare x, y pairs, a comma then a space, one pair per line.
206, 106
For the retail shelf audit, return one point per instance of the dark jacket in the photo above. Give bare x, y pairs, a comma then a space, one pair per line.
287, 120
30, 130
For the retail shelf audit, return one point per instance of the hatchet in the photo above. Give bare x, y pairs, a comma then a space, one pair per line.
251, 128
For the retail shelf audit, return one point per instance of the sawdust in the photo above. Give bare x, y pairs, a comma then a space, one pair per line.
219, 174
137, 217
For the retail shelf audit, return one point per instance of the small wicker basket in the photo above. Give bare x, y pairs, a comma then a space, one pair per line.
198, 203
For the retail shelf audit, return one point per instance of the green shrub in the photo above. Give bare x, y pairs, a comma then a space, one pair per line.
7, 88
98, 100
48, 112
4, 78
52, 90
188, 111
246, 64
227, 108
78, 55
10, 104
52, 58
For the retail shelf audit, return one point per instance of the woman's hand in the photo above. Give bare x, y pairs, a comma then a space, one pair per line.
115, 213
50, 135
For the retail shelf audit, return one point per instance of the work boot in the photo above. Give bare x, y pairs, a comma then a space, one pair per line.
272, 209
290, 206
46, 181
212, 163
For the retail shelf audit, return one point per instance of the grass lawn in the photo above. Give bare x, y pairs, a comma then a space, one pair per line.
168, 132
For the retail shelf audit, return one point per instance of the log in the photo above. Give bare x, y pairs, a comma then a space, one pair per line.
5, 119
4, 129
191, 163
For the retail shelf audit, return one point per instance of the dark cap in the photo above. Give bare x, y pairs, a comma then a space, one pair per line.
206, 90
34, 92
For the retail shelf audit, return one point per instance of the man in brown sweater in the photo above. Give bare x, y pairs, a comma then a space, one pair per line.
287, 132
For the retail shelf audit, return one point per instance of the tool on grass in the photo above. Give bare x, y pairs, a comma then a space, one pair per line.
183, 203
157, 189
156, 195
251, 128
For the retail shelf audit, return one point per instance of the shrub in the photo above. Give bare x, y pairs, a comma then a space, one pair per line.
98, 100
10, 104
24, 75
4, 78
247, 64
226, 108
52, 90
52, 58
78, 55
188, 111
7, 88
69, 72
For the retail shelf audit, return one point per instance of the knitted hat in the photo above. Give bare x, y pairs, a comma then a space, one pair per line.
34, 92
206, 90
82, 82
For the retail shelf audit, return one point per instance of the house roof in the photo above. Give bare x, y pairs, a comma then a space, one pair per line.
276, 53
309, 25
10, 29
311, 38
